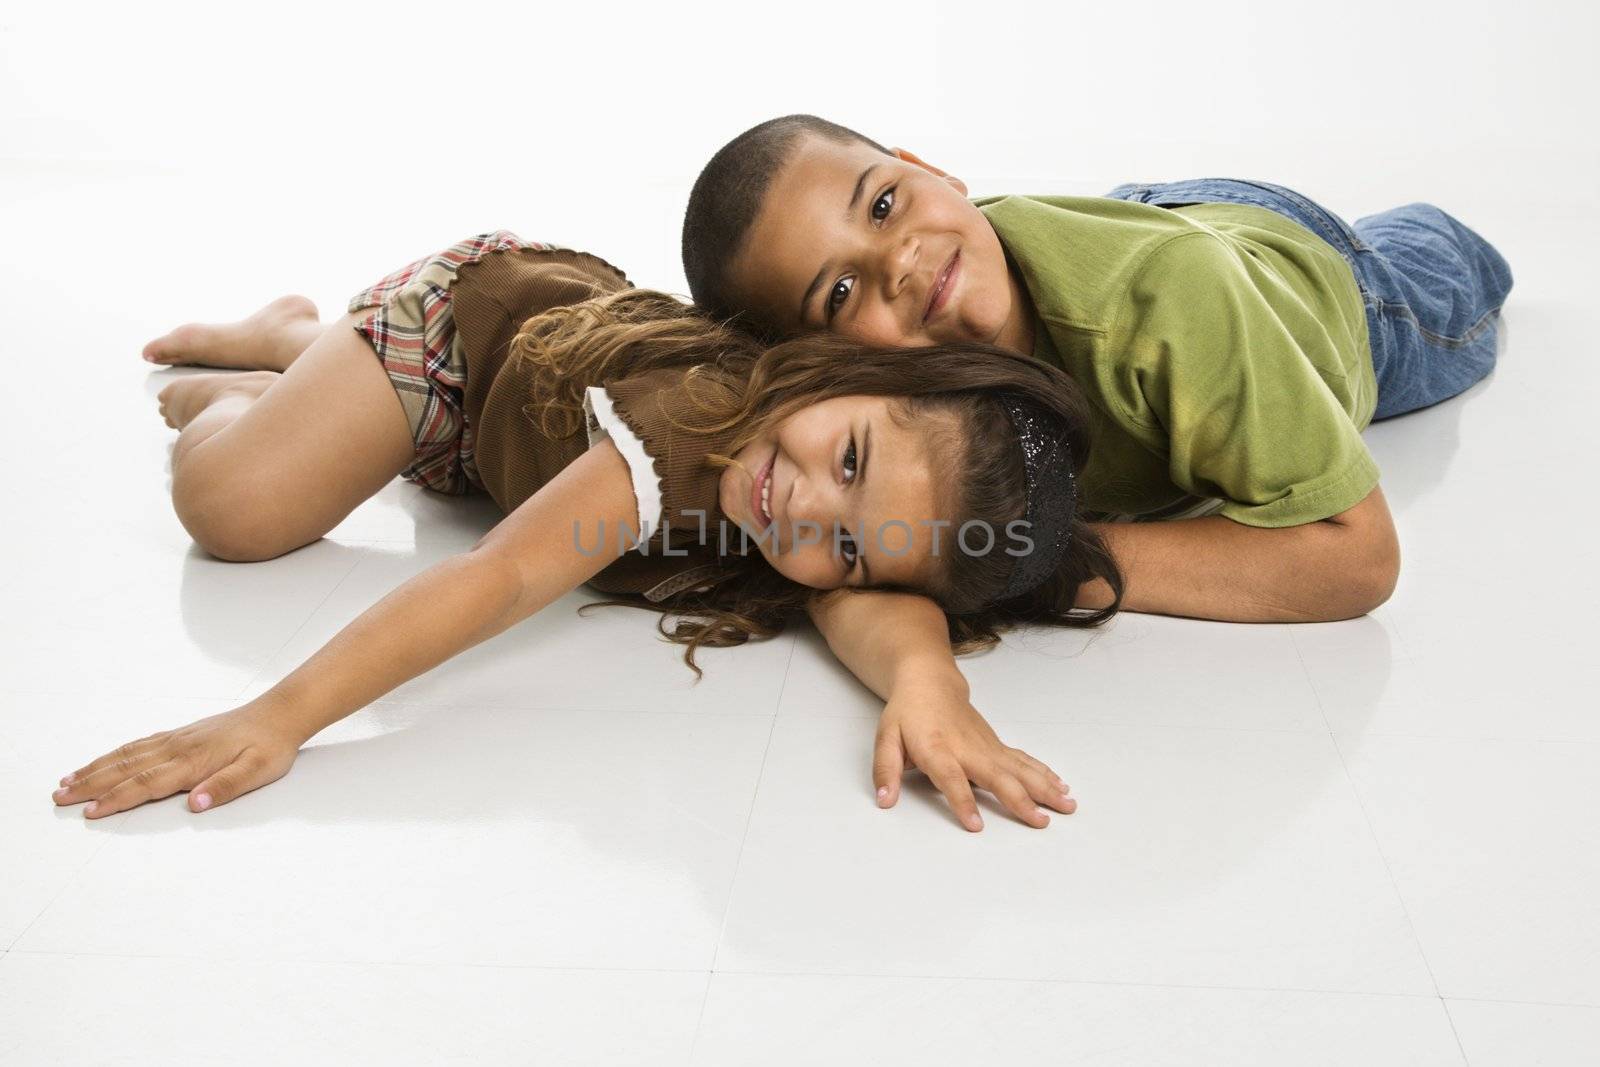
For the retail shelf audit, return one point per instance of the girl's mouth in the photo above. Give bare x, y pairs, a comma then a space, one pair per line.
761, 495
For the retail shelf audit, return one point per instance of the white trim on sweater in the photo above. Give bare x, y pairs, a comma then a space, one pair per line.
602, 421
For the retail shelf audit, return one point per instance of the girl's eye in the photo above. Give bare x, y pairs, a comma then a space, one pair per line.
847, 544
840, 293
886, 203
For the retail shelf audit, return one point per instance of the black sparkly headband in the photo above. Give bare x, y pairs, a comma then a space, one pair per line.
1052, 493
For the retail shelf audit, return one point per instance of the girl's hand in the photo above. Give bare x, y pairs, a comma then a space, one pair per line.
934, 728
217, 759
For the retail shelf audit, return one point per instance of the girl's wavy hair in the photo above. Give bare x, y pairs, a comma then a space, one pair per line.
951, 392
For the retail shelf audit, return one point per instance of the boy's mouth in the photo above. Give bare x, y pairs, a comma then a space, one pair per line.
943, 286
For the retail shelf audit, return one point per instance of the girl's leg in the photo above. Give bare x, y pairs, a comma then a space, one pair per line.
268, 340
272, 463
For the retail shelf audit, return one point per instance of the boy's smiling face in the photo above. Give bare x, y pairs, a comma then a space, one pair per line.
883, 249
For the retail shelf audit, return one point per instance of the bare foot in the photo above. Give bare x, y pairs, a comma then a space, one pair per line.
193, 393
267, 340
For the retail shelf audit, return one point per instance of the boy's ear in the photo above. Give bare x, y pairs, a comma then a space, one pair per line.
909, 157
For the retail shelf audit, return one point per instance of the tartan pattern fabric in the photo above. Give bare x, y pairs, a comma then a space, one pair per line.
415, 338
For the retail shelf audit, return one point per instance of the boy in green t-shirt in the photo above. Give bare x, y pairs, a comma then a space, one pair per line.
1232, 339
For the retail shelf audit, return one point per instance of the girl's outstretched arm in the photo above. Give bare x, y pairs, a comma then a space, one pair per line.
529, 560
898, 645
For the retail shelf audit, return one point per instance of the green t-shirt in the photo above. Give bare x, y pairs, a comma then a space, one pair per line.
1222, 348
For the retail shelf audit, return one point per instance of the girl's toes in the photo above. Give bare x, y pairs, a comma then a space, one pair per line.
167, 399
176, 348
185, 398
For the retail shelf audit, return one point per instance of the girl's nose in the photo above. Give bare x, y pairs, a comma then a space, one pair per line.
812, 502
802, 501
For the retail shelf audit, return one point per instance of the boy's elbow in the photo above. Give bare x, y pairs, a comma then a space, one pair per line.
1368, 573
1365, 557
1378, 583
1382, 553
1353, 592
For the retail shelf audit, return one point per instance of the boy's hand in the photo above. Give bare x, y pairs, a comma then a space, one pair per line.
217, 759
933, 727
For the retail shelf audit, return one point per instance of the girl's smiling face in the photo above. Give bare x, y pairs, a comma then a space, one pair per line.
883, 249
839, 493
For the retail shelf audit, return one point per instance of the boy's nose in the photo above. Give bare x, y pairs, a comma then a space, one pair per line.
900, 263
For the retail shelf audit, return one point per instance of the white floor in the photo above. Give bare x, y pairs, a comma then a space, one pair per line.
1372, 842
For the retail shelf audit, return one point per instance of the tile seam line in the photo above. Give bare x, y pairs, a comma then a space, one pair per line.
686, 971
754, 973
1307, 732
1372, 833
334, 961
1120, 983
68, 882
1444, 1006
569, 709
619, 709
1595, 1006
1003, 718
744, 840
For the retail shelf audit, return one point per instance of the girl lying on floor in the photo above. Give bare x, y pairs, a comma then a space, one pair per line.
636, 445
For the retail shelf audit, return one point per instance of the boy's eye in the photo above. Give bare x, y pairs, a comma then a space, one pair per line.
883, 205
847, 550
881, 208
840, 293
850, 460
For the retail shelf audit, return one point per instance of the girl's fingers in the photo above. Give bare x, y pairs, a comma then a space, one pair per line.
888, 764
1010, 791
93, 783
951, 780
1025, 761
152, 783
118, 755
1045, 790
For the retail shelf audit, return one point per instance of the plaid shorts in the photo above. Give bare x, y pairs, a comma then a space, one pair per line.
414, 335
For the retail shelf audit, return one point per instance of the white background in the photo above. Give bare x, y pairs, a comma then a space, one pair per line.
390, 126
1366, 842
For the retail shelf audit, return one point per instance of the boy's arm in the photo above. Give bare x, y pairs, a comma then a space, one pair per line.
529, 560
1215, 568
898, 645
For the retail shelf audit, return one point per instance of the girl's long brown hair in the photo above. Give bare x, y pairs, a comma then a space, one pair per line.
735, 382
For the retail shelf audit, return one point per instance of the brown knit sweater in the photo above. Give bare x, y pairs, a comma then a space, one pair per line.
490, 299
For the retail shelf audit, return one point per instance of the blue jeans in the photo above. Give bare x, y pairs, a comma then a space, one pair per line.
1432, 287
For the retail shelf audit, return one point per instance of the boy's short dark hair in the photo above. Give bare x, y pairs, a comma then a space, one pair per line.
728, 196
